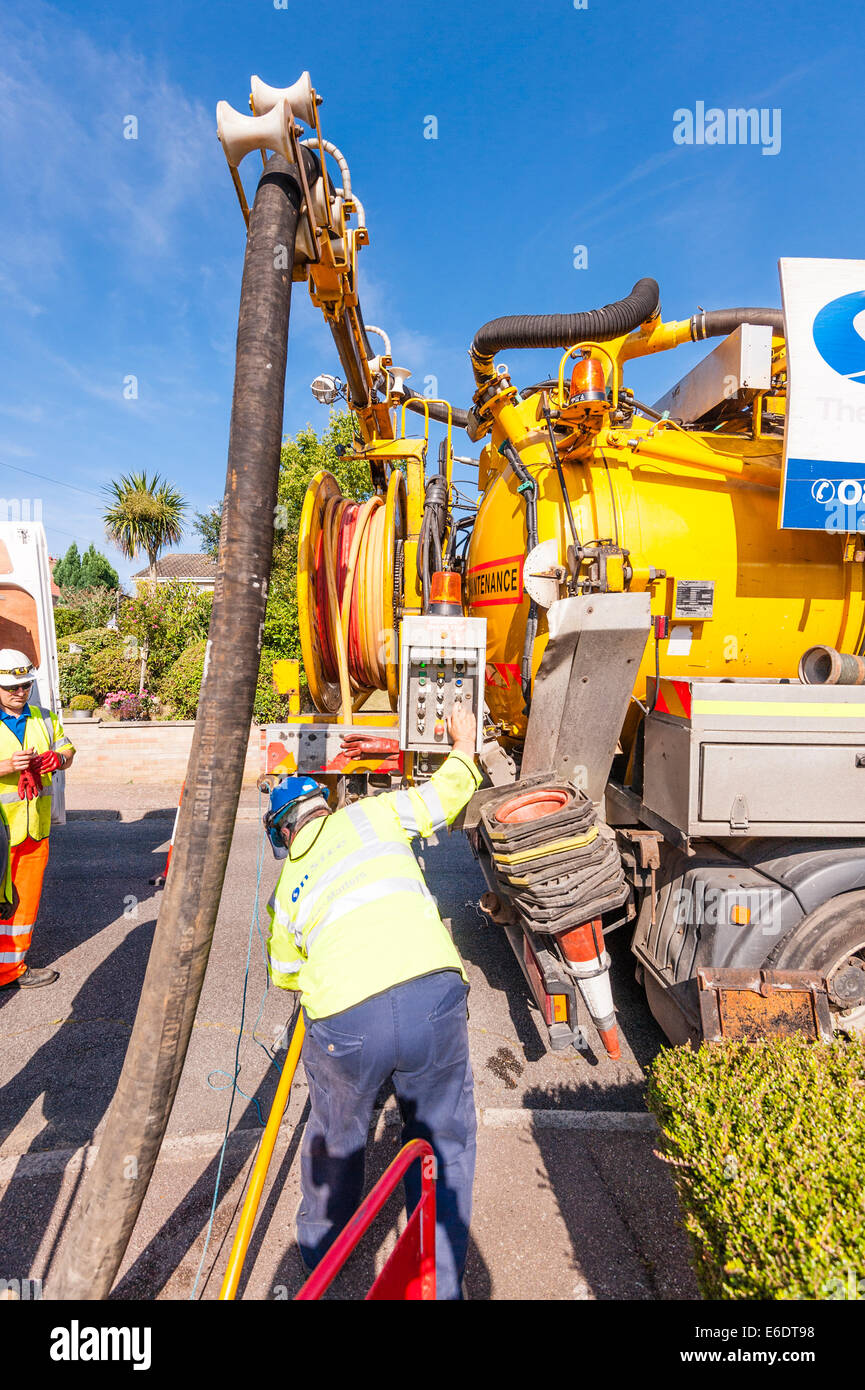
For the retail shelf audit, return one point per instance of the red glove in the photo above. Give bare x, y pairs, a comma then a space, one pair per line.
369, 746
29, 783
49, 762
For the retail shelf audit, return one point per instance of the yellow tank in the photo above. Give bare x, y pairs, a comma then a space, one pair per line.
699, 507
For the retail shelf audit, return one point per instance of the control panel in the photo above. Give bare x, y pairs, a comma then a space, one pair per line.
442, 663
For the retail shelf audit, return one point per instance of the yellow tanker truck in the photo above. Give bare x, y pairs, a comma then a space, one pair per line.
656, 612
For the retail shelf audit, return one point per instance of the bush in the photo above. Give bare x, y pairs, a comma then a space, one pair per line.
67, 621
180, 687
767, 1146
166, 620
89, 639
83, 702
111, 670
75, 678
128, 704
94, 606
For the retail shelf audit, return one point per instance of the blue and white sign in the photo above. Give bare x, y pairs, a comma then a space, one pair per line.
823, 485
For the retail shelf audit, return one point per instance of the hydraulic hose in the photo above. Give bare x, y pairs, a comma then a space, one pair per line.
562, 484
349, 597
432, 531
560, 330
529, 489
103, 1219
347, 351
437, 411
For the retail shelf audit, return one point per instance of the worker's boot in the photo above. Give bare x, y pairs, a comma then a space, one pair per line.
33, 978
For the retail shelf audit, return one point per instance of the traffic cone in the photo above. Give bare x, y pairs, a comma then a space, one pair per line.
586, 959
159, 880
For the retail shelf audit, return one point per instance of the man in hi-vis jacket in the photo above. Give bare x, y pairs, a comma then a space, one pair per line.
355, 930
33, 746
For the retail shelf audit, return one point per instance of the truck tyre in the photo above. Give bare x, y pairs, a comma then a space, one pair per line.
832, 940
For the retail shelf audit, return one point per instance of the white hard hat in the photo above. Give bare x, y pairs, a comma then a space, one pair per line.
15, 667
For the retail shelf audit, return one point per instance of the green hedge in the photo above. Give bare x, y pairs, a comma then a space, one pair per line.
180, 687
90, 640
767, 1147
110, 670
76, 675
67, 621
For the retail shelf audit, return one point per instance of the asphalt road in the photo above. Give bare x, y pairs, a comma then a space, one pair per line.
570, 1202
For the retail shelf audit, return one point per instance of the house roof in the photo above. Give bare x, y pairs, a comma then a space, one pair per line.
178, 566
55, 592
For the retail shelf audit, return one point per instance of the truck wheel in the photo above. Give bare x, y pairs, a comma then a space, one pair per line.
832, 940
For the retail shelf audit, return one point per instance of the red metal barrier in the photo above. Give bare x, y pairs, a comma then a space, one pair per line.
410, 1271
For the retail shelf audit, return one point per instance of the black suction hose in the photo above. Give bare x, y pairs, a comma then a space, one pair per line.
559, 330
103, 1219
717, 323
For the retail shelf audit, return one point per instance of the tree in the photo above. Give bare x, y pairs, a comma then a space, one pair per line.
67, 572
207, 525
146, 515
88, 571
96, 571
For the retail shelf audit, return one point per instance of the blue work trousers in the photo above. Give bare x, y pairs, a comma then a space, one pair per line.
416, 1034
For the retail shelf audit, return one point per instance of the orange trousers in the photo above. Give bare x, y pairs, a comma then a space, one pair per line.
16, 932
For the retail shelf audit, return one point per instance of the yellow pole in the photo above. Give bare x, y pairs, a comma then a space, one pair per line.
261, 1165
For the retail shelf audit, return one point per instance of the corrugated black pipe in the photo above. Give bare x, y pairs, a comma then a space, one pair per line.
717, 323
559, 330
103, 1219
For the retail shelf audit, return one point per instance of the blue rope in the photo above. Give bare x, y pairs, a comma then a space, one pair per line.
235, 1089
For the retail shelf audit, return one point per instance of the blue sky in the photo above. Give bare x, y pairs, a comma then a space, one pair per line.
555, 129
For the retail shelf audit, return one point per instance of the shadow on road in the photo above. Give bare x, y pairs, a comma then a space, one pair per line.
170, 1261
95, 873
616, 1200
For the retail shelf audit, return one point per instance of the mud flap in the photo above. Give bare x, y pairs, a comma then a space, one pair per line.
750, 1004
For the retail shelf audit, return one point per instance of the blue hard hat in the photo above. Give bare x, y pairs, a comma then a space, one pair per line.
285, 801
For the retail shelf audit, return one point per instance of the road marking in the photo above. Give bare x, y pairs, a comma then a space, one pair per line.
635, 1120
205, 1146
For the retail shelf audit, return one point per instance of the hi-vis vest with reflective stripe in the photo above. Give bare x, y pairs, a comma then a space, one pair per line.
30, 818
352, 916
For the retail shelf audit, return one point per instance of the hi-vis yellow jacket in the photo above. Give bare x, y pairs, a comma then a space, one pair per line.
351, 915
43, 732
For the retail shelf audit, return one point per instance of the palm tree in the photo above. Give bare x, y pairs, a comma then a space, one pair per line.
146, 514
